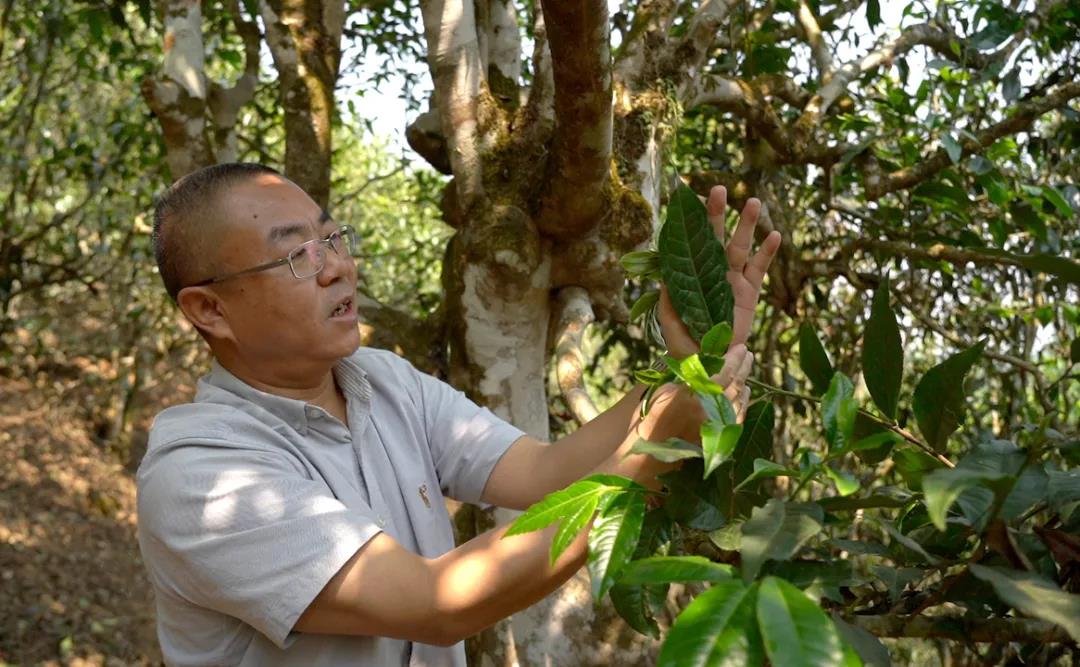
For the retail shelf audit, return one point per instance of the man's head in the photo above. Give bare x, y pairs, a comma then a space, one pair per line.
229, 218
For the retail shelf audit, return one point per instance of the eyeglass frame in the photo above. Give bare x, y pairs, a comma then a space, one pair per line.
343, 232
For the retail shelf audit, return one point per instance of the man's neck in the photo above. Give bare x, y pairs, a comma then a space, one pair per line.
317, 388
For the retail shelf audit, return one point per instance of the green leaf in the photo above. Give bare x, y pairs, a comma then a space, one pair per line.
717, 629
694, 265
557, 506
866, 502
567, 506
716, 340
838, 410
777, 531
668, 452
816, 578
692, 371
756, 440
637, 605
869, 442
896, 579
873, 13
1063, 491
1034, 596
673, 569
764, 469
641, 263
652, 377
644, 304
718, 442
870, 649
1074, 351
693, 501
909, 543
1052, 195
883, 353
813, 360
913, 464
845, 484
943, 487
571, 526
953, 147
938, 401
612, 540
795, 631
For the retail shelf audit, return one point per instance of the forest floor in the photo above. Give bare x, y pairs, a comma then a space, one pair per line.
73, 586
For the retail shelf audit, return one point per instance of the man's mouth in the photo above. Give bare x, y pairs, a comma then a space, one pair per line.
344, 308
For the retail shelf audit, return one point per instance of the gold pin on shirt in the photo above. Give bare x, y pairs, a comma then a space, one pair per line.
423, 496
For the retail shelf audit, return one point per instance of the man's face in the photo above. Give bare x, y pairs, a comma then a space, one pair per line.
278, 321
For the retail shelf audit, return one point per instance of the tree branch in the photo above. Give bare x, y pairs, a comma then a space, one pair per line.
820, 50
456, 71
580, 164
500, 48
690, 54
989, 630
650, 26
225, 102
305, 42
178, 96
939, 39
1023, 117
541, 102
574, 313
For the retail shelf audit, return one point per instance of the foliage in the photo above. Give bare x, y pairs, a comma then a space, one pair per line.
840, 544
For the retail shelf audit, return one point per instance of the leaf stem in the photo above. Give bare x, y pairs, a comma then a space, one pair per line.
902, 432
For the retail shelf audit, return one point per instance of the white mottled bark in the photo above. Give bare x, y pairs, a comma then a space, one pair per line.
507, 339
454, 59
184, 62
575, 313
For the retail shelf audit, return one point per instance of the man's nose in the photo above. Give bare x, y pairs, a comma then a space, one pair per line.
338, 264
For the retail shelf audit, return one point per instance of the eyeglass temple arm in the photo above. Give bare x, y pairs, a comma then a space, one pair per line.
254, 269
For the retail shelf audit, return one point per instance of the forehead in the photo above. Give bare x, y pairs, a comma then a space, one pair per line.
266, 201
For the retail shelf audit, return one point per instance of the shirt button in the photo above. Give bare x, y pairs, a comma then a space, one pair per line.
381, 522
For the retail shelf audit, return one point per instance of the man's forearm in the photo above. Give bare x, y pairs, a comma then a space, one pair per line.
580, 453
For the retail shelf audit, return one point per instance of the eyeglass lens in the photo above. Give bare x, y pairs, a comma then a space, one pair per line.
310, 257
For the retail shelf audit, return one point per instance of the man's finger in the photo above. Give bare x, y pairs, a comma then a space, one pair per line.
742, 404
759, 264
734, 390
677, 337
733, 361
717, 207
739, 249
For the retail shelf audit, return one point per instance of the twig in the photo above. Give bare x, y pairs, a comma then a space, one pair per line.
902, 432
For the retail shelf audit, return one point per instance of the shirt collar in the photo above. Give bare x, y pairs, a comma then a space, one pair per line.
351, 377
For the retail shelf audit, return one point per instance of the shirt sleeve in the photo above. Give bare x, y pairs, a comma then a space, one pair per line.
243, 532
466, 440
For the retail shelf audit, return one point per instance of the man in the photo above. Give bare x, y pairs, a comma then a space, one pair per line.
293, 513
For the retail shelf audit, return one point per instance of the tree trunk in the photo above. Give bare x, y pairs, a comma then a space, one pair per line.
305, 40
198, 116
539, 204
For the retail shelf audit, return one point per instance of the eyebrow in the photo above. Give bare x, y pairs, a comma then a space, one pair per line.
297, 228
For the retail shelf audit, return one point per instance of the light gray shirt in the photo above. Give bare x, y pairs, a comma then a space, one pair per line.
249, 503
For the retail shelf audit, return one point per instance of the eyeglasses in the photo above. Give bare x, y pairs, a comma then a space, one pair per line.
305, 260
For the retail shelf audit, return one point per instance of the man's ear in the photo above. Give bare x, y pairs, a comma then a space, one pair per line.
205, 310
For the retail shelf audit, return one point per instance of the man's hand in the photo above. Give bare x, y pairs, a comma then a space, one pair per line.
745, 274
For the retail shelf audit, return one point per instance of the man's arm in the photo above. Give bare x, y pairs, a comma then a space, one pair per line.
386, 590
